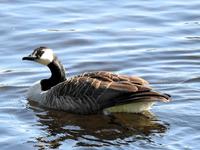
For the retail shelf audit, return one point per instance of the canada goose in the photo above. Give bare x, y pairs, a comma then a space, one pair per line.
90, 92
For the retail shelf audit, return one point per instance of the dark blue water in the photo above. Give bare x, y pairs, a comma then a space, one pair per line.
157, 40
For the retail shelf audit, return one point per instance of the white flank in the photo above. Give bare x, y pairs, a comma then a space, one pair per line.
131, 108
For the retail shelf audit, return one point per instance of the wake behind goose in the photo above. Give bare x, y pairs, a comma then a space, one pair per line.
90, 92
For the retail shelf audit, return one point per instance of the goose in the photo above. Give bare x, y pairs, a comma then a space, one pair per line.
90, 92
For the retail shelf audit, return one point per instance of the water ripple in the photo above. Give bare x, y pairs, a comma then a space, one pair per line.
158, 41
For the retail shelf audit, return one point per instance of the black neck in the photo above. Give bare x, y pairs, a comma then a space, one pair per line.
57, 75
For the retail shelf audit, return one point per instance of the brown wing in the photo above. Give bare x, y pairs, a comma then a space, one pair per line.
109, 76
97, 88
104, 89
127, 89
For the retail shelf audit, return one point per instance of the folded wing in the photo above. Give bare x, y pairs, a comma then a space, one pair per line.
99, 90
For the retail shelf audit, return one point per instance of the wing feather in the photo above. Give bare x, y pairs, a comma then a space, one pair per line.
97, 90
109, 76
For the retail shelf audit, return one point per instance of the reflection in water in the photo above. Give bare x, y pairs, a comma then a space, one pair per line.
94, 130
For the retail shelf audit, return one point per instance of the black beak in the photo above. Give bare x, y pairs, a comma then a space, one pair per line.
31, 58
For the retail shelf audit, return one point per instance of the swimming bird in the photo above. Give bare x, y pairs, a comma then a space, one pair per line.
90, 92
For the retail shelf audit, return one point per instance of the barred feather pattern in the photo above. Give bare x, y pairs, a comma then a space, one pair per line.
94, 91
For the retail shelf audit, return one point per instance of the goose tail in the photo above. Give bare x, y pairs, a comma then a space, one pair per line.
149, 96
138, 102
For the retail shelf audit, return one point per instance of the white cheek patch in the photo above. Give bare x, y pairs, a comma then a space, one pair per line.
47, 57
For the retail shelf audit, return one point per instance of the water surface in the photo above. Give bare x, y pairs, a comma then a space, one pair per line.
156, 40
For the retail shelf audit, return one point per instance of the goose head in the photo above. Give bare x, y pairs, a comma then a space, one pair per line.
42, 55
46, 56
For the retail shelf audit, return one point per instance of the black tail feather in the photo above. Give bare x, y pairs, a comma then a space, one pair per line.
149, 96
